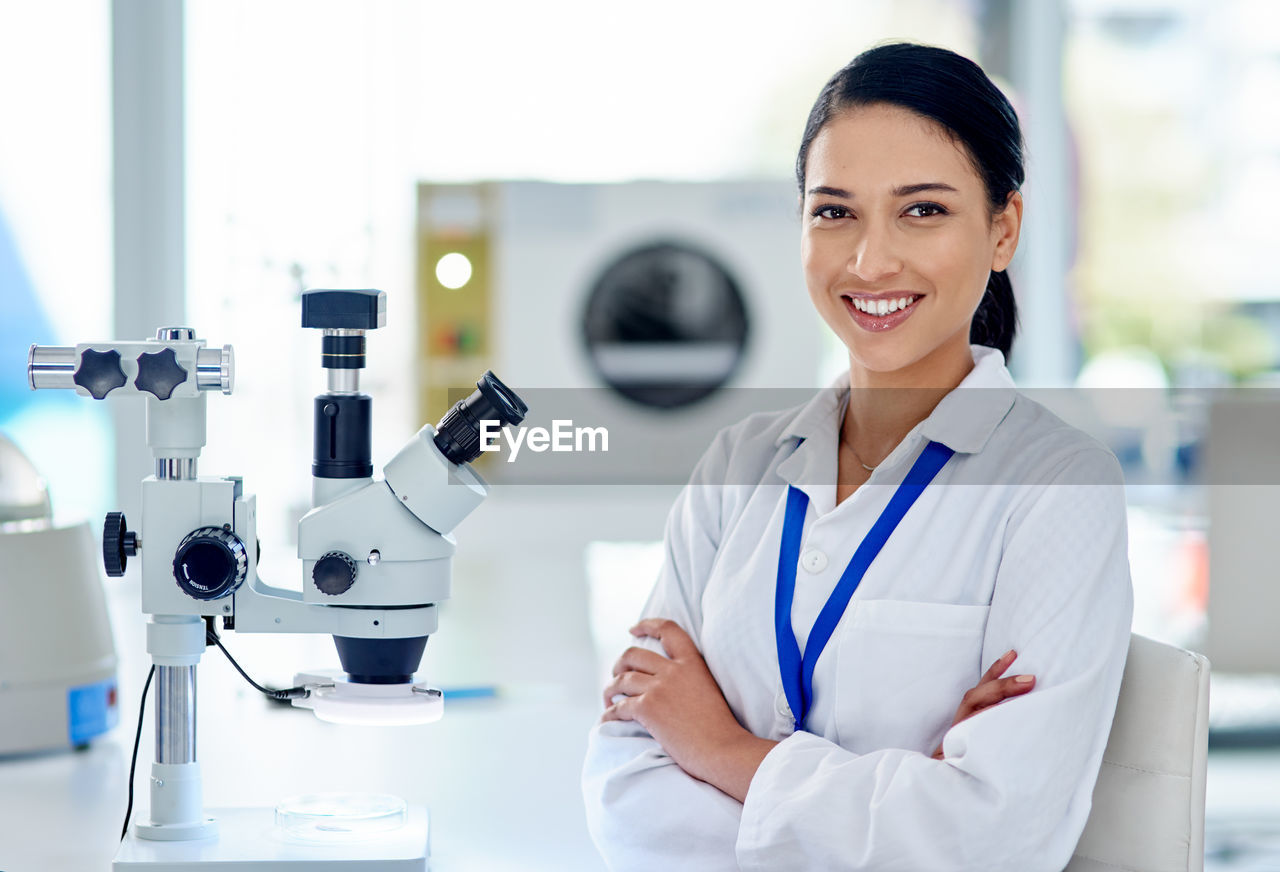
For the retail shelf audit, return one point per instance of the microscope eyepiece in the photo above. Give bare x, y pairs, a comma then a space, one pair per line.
458, 433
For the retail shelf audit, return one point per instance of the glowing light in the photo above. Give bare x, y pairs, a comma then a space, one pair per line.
453, 270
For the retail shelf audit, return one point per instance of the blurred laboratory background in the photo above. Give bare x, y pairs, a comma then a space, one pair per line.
514, 175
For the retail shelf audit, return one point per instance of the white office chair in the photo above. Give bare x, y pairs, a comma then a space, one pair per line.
1148, 804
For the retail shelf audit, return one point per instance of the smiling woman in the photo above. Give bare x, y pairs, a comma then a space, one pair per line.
869, 243
819, 678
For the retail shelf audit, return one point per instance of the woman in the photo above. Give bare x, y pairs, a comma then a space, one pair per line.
792, 699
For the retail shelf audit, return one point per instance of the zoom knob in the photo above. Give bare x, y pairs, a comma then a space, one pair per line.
210, 563
334, 573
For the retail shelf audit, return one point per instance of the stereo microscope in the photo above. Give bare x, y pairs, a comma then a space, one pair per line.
376, 560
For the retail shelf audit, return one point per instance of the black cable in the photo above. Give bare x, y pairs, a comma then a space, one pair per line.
133, 765
280, 695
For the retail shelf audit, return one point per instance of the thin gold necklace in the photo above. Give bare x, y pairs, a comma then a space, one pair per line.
859, 459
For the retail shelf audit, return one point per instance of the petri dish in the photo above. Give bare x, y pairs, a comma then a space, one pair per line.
340, 817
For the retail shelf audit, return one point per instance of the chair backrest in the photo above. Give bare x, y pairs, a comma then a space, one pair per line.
1148, 803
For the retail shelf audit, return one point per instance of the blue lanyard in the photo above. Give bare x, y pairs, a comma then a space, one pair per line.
797, 671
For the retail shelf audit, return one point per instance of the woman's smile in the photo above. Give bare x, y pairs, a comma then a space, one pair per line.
880, 312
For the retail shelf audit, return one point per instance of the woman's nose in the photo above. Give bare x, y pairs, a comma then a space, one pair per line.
873, 259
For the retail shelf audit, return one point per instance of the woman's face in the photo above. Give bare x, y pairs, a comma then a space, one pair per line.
894, 214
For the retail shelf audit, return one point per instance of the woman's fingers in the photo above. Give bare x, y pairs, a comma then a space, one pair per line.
639, 660
619, 711
627, 684
997, 669
675, 641
990, 690
989, 693
637, 669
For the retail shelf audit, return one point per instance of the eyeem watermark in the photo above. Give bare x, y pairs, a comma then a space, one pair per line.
562, 437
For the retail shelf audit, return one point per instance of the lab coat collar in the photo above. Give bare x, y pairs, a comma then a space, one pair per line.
963, 421
966, 417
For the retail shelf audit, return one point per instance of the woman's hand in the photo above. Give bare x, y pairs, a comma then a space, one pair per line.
678, 701
990, 690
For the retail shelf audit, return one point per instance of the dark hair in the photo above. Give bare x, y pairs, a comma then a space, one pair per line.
953, 92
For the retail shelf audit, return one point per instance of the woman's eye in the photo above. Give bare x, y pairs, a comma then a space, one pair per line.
831, 211
925, 210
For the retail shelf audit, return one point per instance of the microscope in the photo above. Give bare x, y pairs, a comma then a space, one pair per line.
376, 560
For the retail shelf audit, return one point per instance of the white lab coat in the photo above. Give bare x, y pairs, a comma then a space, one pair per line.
1018, 544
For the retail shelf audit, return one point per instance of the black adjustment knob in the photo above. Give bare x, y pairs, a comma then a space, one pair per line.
334, 573
99, 372
159, 372
118, 544
210, 563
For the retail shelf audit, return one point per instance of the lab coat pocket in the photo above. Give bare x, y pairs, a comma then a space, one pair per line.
902, 669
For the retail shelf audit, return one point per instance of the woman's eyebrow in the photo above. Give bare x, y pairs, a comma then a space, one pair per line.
828, 191
908, 190
900, 191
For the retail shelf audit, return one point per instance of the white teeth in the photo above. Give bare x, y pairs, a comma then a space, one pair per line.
881, 308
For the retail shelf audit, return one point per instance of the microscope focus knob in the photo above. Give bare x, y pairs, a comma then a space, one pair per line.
210, 563
334, 573
118, 544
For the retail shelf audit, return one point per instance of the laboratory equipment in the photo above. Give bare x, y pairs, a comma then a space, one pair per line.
376, 560
57, 656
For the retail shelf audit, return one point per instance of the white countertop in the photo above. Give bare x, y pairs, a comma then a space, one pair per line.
499, 777
500, 781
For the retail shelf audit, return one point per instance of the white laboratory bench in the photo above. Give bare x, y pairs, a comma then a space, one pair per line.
499, 777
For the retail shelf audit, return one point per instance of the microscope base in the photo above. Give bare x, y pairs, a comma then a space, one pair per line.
248, 841
205, 829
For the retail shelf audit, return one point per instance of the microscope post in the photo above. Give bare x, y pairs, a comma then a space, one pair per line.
175, 434
175, 643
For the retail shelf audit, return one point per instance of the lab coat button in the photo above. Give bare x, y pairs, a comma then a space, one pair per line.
813, 560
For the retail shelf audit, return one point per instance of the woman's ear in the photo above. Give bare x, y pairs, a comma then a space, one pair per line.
1005, 228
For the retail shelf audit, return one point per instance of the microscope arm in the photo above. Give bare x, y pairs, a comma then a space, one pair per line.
259, 607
